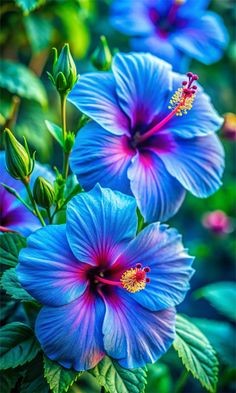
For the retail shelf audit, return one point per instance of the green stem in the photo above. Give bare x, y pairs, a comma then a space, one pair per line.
37, 212
49, 215
181, 382
64, 134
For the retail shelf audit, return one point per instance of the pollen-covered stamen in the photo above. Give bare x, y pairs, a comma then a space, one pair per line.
180, 103
182, 100
134, 279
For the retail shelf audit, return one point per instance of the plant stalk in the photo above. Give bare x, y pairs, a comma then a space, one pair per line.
37, 212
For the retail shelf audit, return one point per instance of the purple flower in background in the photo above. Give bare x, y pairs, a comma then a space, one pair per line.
14, 216
172, 29
142, 141
104, 289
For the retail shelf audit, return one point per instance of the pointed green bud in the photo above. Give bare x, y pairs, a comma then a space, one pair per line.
64, 74
18, 161
43, 192
102, 57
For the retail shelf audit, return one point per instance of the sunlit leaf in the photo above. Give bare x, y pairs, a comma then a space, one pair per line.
55, 131
196, 353
117, 379
221, 295
59, 378
39, 32
19, 80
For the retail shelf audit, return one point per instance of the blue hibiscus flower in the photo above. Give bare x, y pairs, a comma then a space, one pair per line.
144, 140
104, 289
174, 30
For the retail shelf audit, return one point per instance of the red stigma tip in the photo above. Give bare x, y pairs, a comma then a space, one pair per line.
189, 74
195, 77
194, 87
138, 265
147, 269
184, 83
148, 280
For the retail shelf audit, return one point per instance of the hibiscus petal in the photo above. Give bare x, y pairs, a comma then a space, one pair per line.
143, 82
197, 163
134, 335
94, 94
161, 249
100, 157
158, 194
47, 268
163, 48
99, 223
129, 19
72, 334
203, 38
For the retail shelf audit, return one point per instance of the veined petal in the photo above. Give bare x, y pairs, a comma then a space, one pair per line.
203, 38
201, 120
48, 270
143, 82
134, 335
101, 157
158, 194
197, 163
161, 249
99, 224
95, 95
72, 334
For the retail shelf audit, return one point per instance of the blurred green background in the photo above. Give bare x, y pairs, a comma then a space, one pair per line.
29, 29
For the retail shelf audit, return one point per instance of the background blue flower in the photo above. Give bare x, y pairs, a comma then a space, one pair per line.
174, 30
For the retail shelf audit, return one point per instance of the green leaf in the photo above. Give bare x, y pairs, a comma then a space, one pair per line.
159, 378
19, 80
17, 345
7, 306
34, 381
55, 131
221, 295
10, 283
39, 32
59, 378
28, 5
222, 335
31, 124
117, 379
196, 353
10, 246
8, 380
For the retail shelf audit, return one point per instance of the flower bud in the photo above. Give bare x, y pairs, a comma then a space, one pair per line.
64, 74
43, 192
102, 57
18, 161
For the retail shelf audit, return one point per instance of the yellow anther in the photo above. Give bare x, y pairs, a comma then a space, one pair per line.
182, 101
133, 280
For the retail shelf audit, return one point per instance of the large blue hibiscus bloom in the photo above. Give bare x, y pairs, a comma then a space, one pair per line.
14, 216
137, 145
104, 289
172, 29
